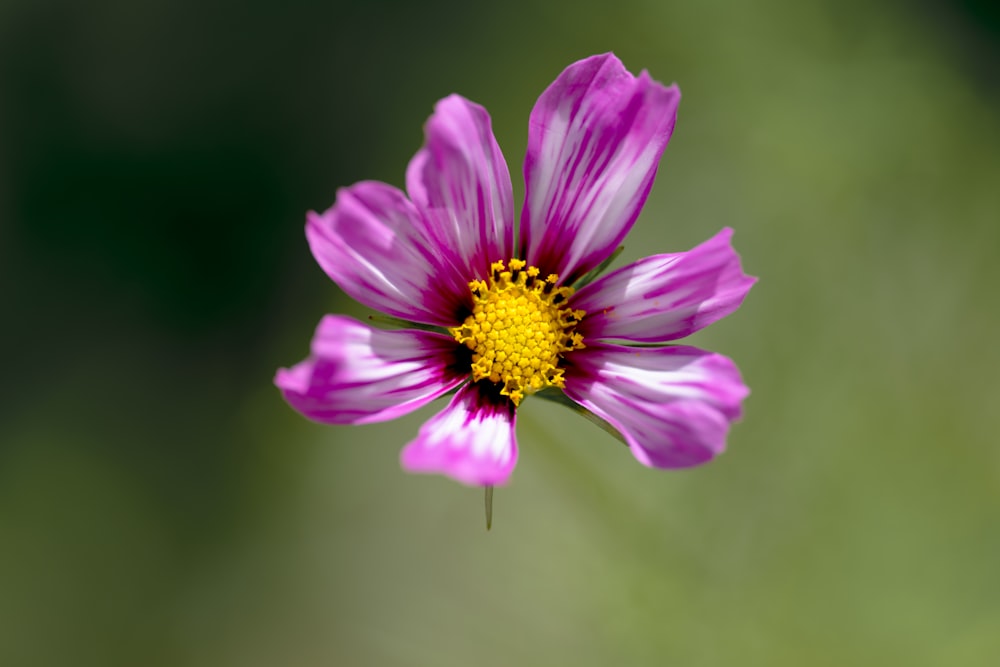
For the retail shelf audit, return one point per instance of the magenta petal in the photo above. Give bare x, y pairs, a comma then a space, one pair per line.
371, 244
357, 374
472, 441
460, 182
665, 297
594, 140
673, 405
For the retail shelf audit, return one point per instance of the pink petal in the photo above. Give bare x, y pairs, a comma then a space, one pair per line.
665, 297
594, 140
472, 441
460, 182
372, 245
357, 374
673, 405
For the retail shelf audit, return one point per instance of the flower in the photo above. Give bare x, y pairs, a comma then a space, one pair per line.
498, 320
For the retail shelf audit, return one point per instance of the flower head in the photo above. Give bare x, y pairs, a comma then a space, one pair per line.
499, 324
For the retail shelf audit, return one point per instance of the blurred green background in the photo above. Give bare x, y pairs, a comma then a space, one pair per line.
160, 505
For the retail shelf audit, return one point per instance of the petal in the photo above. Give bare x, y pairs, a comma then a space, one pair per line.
357, 374
594, 140
372, 245
673, 405
472, 440
665, 297
460, 182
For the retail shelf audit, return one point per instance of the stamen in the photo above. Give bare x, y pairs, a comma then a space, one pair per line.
517, 331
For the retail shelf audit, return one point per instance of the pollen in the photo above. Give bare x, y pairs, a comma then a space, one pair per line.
519, 329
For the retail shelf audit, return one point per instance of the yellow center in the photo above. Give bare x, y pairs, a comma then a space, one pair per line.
519, 329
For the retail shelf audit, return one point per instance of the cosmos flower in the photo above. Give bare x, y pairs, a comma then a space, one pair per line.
496, 318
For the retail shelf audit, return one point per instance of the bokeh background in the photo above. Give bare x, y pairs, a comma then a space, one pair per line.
160, 505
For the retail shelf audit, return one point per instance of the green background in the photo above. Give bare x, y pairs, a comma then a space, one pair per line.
161, 505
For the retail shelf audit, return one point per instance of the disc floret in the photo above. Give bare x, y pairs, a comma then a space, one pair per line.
519, 328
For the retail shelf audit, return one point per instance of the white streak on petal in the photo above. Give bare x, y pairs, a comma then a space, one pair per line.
460, 182
472, 441
673, 405
371, 243
594, 140
665, 297
357, 374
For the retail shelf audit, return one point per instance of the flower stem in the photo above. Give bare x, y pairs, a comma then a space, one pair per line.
593, 275
557, 396
399, 323
488, 500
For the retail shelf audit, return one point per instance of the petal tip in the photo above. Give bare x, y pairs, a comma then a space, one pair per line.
418, 460
674, 406
471, 441
283, 379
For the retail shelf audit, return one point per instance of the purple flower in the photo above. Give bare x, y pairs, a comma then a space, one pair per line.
499, 319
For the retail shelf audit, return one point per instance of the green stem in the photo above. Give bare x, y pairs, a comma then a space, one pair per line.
488, 500
557, 396
590, 277
405, 324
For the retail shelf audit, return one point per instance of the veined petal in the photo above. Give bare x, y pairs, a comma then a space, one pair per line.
357, 374
594, 140
460, 182
665, 297
370, 242
472, 440
673, 405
